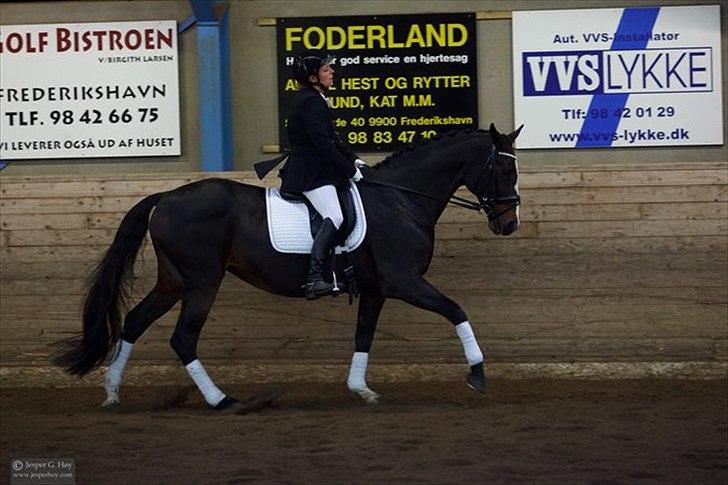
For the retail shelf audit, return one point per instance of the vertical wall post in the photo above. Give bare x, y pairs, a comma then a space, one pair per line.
213, 60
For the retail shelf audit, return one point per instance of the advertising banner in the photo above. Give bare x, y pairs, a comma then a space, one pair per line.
398, 78
618, 77
89, 90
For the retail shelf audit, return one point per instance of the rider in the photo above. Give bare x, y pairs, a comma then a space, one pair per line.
319, 161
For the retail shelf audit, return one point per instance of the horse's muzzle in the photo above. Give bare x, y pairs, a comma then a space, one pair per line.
503, 229
511, 227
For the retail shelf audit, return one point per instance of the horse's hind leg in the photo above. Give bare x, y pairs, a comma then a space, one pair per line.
196, 303
370, 306
154, 305
163, 296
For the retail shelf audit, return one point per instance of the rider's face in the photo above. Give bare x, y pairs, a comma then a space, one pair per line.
326, 75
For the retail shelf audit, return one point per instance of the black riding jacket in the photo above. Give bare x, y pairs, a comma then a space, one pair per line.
317, 157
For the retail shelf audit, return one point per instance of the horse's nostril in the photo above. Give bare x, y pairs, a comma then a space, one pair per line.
512, 226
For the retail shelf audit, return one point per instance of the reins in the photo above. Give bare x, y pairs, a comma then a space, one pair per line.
488, 203
455, 200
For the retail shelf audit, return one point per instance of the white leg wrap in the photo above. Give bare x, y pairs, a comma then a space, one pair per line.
357, 378
115, 372
358, 371
470, 345
213, 395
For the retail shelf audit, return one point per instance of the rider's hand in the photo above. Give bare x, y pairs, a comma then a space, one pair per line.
360, 163
357, 175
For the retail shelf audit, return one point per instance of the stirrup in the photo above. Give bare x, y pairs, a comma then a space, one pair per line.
313, 293
336, 290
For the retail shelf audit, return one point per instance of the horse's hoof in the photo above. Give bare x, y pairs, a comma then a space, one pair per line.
226, 403
111, 403
258, 402
476, 382
372, 399
369, 396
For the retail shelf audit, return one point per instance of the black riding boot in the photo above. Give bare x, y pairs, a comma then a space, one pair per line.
323, 243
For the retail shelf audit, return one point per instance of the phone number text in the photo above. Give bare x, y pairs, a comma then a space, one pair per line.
88, 117
638, 112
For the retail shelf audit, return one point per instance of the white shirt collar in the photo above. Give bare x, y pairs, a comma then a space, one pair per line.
328, 103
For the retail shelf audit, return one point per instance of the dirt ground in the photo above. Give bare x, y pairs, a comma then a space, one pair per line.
590, 432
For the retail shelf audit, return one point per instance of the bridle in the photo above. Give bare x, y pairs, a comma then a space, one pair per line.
488, 200
490, 197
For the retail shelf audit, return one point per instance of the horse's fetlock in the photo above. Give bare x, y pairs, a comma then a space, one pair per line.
355, 386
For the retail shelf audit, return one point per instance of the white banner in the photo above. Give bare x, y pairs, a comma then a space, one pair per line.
618, 77
89, 90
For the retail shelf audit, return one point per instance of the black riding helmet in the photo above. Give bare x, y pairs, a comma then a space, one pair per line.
306, 65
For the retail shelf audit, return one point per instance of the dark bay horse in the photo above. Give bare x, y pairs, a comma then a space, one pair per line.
204, 229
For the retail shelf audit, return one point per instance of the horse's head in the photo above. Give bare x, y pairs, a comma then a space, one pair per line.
495, 182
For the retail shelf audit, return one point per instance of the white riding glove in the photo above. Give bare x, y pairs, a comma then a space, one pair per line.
360, 163
357, 175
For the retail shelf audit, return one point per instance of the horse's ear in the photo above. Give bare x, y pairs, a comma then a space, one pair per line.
512, 136
493, 132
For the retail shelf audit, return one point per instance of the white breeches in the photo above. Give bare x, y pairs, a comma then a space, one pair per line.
326, 202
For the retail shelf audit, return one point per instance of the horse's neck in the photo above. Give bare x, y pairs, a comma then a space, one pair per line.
437, 173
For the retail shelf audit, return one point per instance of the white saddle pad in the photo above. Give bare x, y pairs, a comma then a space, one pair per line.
289, 226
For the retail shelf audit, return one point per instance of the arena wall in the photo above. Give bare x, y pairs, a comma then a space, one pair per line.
253, 76
620, 267
615, 270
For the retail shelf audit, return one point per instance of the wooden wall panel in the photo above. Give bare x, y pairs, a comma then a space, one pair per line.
611, 264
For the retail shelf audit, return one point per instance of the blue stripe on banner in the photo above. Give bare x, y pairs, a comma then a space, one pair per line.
633, 20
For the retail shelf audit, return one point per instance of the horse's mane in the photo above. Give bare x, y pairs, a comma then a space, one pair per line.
424, 146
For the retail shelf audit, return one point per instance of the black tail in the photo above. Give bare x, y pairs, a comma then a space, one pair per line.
108, 290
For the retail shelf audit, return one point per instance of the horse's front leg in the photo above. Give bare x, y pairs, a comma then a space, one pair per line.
417, 291
370, 306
